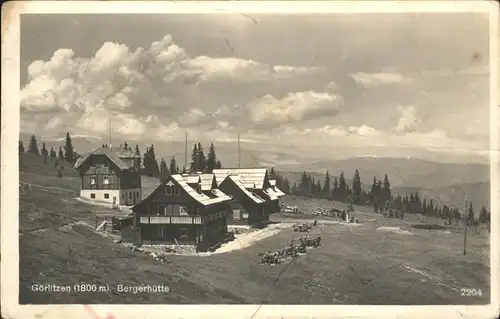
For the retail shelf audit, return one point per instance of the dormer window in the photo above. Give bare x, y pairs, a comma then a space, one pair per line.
169, 188
93, 180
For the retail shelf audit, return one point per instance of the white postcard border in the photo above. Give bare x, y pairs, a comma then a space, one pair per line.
10, 177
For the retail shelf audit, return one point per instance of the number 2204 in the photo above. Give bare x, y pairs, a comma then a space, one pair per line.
470, 292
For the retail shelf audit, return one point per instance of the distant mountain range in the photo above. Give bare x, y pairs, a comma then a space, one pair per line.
446, 182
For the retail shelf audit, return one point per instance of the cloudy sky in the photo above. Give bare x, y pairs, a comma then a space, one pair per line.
329, 85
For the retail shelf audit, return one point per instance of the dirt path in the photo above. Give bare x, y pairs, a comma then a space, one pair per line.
247, 239
48, 188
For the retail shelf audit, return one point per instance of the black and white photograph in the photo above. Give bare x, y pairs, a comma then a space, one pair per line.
253, 155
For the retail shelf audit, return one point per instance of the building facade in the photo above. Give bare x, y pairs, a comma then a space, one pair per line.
253, 196
183, 210
110, 175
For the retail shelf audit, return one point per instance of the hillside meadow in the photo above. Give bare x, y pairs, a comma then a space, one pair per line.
378, 261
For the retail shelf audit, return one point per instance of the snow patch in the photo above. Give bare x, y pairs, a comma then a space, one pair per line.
395, 230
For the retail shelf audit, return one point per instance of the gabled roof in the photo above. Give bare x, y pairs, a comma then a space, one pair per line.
199, 197
250, 177
207, 181
181, 181
115, 155
254, 197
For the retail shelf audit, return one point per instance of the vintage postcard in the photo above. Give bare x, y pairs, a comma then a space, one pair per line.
250, 159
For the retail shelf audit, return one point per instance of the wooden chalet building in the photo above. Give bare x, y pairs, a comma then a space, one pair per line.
110, 175
185, 210
254, 196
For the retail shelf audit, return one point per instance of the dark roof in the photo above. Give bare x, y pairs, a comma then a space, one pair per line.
115, 154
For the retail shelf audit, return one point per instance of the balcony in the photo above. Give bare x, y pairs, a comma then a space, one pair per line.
171, 220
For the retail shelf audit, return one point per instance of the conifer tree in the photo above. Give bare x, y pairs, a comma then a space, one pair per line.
33, 146
483, 215
60, 156
21, 147
286, 186
211, 159
44, 151
342, 187
218, 165
386, 189
138, 153
153, 169
470, 214
163, 169
194, 159
201, 159
173, 166
335, 190
52, 152
356, 187
326, 185
68, 149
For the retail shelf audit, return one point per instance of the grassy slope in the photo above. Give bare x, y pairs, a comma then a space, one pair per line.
354, 265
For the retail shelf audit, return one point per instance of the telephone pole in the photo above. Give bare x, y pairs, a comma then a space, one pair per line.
465, 224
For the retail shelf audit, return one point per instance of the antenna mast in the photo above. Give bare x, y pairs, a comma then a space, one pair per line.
110, 131
239, 154
186, 151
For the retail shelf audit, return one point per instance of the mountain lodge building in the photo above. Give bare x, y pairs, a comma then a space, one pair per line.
254, 196
110, 175
185, 209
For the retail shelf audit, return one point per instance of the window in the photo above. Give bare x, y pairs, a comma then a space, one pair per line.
106, 180
245, 215
163, 210
93, 180
106, 196
162, 232
183, 234
137, 195
183, 211
177, 191
236, 214
130, 195
92, 195
168, 190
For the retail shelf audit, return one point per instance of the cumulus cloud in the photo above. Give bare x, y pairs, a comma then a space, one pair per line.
293, 107
409, 120
369, 80
83, 93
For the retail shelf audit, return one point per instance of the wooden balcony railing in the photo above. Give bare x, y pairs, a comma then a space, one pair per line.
171, 220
